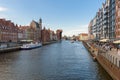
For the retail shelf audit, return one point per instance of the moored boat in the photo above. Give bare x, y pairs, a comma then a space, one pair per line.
31, 46
72, 41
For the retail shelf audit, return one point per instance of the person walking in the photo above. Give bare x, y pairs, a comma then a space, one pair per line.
118, 52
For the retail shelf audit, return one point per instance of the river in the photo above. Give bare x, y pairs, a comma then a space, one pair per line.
59, 61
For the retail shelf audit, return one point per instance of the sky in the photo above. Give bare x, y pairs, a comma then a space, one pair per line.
72, 16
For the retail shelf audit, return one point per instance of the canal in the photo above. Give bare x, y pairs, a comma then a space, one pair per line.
59, 61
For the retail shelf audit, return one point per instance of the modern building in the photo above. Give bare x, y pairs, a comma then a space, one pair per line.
106, 20
117, 28
92, 30
90, 33
112, 21
105, 24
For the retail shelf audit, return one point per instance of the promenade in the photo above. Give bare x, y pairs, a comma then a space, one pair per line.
107, 56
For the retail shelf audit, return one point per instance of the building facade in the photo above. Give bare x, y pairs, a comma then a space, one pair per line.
34, 31
117, 28
59, 34
90, 30
45, 35
112, 21
8, 31
22, 33
83, 36
107, 21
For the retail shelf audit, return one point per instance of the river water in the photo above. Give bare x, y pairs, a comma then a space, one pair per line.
59, 61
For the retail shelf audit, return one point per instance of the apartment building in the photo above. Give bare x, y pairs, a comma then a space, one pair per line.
107, 25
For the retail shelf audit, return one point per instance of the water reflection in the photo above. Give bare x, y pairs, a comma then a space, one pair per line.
58, 61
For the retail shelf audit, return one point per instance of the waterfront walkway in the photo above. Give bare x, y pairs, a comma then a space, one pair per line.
104, 49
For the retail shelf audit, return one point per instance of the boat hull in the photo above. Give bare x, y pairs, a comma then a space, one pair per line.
28, 47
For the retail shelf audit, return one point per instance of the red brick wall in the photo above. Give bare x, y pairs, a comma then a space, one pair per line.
117, 28
8, 31
45, 35
59, 34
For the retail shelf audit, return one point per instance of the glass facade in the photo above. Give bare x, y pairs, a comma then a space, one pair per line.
112, 19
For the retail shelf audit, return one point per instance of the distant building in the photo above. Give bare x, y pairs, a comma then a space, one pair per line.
53, 36
59, 34
35, 30
31, 32
83, 36
23, 33
45, 35
91, 30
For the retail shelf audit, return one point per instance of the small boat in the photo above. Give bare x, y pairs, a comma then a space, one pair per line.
31, 46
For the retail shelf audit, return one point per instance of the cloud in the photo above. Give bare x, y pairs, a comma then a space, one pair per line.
2, 9
76, 30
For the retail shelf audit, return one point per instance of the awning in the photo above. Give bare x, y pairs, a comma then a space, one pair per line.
26, 40
117, 42
104, 40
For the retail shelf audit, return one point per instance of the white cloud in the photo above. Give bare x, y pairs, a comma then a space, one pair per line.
76, 30
2, 9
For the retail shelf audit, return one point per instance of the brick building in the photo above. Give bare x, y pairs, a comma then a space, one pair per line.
59, 34
22, 33
45, 35
8, 31
35, 30
31, 32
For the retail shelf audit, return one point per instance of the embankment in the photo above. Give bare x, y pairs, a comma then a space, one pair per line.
107, 61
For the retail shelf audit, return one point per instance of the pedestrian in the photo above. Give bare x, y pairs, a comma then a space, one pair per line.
118, 51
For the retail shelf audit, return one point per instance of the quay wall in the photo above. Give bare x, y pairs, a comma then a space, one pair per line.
107, 61
11, 49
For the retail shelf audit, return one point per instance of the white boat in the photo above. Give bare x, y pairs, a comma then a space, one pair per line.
31, 46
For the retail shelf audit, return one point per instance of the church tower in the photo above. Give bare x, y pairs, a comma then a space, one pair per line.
40, 26
40, 23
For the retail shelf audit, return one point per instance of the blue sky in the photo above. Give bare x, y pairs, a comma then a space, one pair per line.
73, 16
